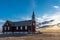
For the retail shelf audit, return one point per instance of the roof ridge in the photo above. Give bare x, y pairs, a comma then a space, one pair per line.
17, 21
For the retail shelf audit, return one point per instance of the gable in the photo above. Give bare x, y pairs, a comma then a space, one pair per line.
7, 23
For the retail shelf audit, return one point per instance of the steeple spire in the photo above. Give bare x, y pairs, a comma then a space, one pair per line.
33, 16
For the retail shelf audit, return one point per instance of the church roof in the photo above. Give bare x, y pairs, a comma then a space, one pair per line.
22, 23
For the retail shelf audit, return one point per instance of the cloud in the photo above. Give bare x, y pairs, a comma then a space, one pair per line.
43, 18
2, 20
47, 17
1, 24
56, 7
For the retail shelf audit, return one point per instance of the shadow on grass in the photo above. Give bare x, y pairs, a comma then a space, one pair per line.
16, 34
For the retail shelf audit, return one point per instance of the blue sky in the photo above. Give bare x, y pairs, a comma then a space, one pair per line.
17, 10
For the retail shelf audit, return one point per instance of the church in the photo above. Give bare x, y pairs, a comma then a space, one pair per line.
20, 26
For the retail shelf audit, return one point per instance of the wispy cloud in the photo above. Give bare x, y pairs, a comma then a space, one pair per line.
2, 20
56, 7
46, 17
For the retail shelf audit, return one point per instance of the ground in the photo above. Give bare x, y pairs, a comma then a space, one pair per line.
43, 36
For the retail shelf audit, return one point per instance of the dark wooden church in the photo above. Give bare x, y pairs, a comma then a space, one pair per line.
20, 26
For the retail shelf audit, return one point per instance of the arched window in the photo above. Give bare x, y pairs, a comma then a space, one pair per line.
17, 28
25, 27
21, 27
8, 28
5, 28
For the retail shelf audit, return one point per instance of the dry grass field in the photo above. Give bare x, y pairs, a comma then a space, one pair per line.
46, 34
49, 29
43, 36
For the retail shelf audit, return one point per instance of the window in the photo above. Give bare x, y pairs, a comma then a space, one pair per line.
5, 28
33, 23
7, 24
21, 27
17, 28
25, 27
8, 28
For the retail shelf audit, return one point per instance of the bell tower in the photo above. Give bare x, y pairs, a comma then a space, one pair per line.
33, 22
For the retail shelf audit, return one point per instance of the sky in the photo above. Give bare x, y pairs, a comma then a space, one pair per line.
18, 10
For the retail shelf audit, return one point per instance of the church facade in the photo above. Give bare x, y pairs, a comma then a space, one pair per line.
20, 26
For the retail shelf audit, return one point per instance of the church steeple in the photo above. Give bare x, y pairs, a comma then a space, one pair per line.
33, 16
33, 22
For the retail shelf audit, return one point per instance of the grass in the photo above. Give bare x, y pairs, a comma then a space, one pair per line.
47, 34
50, 30
43, 36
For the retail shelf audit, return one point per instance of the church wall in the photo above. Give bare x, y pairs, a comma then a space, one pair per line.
14, 29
